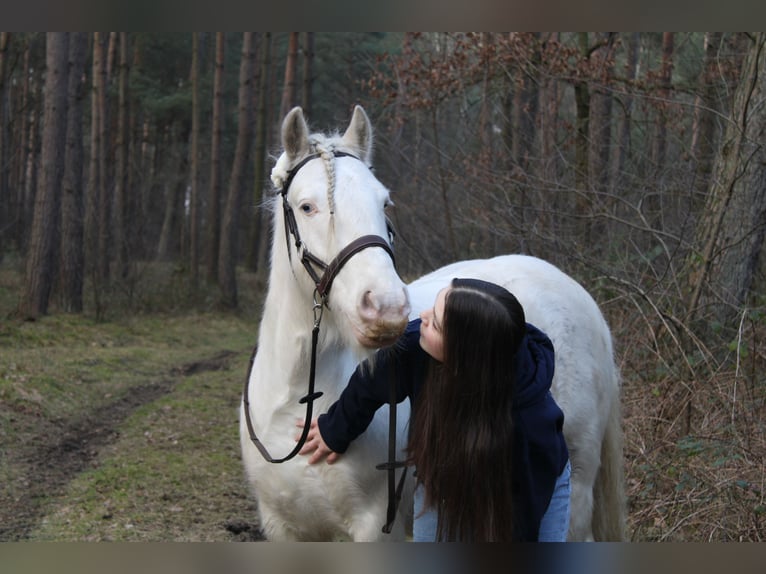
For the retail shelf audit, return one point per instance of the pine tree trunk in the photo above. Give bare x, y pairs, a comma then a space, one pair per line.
92, 194
308, 72
666, 73
121, 157
104, 210
194, 163
41, 266
19, 214
214, 202
135, 224
175, 189
731, 232
261, 181
227, 258
31, 161
72, 212
289, 87
111, 52
6, 205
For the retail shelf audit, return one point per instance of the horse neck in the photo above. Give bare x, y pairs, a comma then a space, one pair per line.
284, 346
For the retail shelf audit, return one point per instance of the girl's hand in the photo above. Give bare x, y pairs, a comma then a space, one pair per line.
315, 446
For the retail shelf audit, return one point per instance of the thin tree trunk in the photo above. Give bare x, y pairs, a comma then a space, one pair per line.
72, 248
214, 203
666, 73
623, 141
308, 72
111, 52
548, 120
194, 163
582, 100
257, 232
30, 164
451, 240
525, 109
600, 132
135, 224
731, 232
485, 130
104, 200
92, 194
121, 153
174, 193
705, 109
227, 258
289, 87
21, 183
6, 205
40, 269
548, 95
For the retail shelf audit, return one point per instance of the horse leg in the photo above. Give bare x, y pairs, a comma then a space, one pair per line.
368, 518
273, 527
581, 510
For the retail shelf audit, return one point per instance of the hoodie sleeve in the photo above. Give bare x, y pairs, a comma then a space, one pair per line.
368, 389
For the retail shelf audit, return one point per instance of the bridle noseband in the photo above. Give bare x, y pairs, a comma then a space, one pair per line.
322, 285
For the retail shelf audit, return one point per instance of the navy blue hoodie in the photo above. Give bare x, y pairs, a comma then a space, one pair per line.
540, 453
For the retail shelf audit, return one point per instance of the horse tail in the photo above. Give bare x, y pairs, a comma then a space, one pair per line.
609, 489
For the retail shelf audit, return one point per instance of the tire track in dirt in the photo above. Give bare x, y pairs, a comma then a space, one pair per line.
63, 449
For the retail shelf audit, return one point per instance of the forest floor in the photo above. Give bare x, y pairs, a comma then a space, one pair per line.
124, 429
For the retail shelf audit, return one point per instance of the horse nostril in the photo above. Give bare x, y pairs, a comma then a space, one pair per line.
375, 307
368, 306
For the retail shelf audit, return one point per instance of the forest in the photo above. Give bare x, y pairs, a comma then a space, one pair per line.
137, 164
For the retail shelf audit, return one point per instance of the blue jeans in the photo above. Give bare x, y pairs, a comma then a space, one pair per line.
553, 526
555, 522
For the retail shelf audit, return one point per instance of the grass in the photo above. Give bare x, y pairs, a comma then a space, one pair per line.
173, 474
146, 400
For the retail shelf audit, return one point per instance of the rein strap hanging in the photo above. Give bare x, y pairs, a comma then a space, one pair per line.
323, 285
322, 291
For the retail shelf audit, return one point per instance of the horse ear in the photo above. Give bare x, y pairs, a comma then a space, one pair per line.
295, 134
358, 135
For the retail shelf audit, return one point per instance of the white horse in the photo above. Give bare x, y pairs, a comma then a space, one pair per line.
336, 200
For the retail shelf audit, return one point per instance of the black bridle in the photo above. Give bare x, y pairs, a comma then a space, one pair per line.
322, 285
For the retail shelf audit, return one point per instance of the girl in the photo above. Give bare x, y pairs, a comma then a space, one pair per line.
485, 434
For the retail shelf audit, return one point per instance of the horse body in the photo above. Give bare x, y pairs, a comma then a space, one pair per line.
335, 200
585, 384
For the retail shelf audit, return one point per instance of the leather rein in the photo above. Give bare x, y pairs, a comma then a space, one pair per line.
322, 283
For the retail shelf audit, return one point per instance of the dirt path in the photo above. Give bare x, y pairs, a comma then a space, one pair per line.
55, 452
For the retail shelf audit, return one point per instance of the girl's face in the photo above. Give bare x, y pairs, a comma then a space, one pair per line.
431, 336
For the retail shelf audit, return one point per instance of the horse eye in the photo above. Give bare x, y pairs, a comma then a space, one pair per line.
307, 208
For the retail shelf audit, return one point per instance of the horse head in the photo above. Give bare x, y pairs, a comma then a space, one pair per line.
338, 244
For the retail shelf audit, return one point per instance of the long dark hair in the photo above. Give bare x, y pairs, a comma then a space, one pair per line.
461, 439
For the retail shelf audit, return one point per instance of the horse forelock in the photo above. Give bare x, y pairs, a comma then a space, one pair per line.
325, 145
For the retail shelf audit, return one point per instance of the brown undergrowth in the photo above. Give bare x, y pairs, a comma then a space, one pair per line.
695, 435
